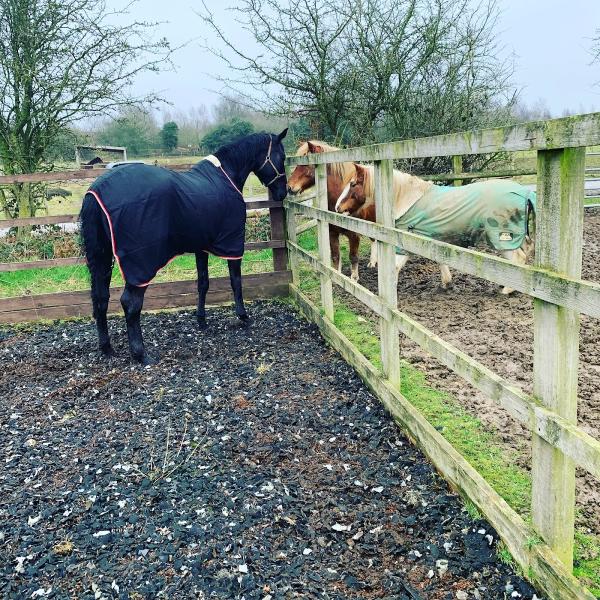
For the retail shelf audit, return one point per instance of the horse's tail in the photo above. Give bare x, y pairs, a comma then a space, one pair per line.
529, 214
94, 238
529, 245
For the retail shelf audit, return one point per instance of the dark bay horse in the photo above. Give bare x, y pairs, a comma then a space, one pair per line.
143, 216
338, 176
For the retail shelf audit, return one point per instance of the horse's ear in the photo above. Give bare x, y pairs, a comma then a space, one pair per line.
314, 148
360, 172
283, 134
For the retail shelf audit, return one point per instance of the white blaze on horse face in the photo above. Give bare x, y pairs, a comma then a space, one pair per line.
342, 196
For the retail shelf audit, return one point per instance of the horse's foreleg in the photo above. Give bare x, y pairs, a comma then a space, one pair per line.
373, 258
132, 301
517, 256
446, 276
202, 267
235, 277
101, 272
334, 246
354, 243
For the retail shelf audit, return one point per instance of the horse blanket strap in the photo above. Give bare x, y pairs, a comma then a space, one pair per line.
492, 211
153, 214
211, 158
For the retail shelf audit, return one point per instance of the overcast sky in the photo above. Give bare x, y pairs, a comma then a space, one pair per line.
550, 40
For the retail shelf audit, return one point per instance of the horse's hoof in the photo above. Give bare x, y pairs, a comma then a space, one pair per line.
107, 351
202, 324
507, 291
146, 360
244, 320
354, 277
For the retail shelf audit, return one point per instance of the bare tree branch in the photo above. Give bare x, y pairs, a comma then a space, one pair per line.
61, 62
368, 70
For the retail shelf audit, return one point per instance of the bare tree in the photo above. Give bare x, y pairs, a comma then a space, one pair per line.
61, 62
537, 111
371, 70
596, 46
300, 68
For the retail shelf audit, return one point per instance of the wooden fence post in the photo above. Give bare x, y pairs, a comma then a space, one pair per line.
386, 271
323, 237
457, 167
292, 236
277, 219
559, 233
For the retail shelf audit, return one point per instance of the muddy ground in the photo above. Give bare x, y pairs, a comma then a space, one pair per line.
247, 464
498, 331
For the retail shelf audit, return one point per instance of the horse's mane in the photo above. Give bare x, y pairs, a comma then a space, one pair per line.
407, 189
343, 170
251, 142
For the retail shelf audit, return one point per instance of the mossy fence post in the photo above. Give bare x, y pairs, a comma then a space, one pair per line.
386, 271
559, 235
323, 238
457, 168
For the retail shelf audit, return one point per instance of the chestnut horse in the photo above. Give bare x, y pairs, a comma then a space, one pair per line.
338, 176
497, 211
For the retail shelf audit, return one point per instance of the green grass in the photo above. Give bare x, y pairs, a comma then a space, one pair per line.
587, 561
74, 278
478, 443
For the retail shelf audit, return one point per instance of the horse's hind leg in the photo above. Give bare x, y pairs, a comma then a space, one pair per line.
100, 277
354, 243
446, 276
517, 256
202, 267
235, 277
99, 258
401, 260
132, 301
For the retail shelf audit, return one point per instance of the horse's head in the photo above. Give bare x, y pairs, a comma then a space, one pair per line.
354, 195
271, 172
303, 176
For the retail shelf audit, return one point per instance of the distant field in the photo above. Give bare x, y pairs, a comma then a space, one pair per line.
72, 204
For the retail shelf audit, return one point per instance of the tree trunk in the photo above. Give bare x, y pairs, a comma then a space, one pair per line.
26, 208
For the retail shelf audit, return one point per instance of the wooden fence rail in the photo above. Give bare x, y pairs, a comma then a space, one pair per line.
160, 295
559, 297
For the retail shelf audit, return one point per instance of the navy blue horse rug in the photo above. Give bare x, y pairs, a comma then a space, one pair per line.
153, 214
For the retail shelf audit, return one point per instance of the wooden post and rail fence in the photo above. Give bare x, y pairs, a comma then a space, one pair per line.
544, 549
170, 294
